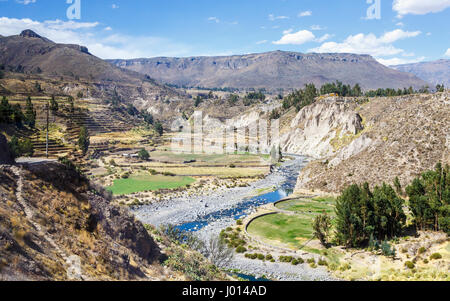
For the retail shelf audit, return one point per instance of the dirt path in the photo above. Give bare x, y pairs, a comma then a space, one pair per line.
73, 266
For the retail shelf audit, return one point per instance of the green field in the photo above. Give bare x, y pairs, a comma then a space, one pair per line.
148, 183
308, 206
291, 230
288, 229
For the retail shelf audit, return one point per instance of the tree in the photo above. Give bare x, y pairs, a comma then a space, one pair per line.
321, 227
84, 140
54, 105
5, 110
30, 113
198, 101
398, 186
362, 214
440, 88
71, 104
21, 147
159, 128
143, 154
429, 199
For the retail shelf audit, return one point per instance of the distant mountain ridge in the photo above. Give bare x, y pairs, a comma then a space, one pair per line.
435, 72
271, 70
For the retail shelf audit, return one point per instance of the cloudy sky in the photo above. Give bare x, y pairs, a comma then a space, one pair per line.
406, 30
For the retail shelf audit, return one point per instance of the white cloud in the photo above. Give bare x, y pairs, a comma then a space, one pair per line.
296, 38
399, 61
272, 17
261, 42
317, 27
305, 14
92, 36
25, 2
214, 19
115, 6
447, 53
323, 38
419, 7
368, 44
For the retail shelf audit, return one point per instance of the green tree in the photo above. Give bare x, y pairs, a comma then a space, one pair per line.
143, 154
159, 128
30, 113
321, 227
5, 110
21, 147
54, 104
398, 186
429, 199
84, 140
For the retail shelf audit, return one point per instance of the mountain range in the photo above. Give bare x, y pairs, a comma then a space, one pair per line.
272, 70
435, 72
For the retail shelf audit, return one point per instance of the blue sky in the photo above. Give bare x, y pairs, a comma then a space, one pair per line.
407, 31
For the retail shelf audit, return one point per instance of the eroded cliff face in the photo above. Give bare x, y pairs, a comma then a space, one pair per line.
317, 129
373, 142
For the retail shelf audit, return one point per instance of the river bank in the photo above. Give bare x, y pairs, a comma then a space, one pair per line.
209, 214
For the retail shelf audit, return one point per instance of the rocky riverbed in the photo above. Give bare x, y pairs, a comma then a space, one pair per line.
208, 214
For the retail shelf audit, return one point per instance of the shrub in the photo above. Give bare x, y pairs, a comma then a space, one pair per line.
143, 154
241, 249
261, 257
294, 262
322, 262
422, 250
269, 257
310, 260
409, 265
239, 222
435, 256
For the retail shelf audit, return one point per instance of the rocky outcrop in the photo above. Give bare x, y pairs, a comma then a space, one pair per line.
317, 129
385, 138
5, 155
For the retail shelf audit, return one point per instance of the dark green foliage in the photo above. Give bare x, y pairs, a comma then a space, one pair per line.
321, 227
398, 186
10, 114
361, 214
21, 147
429, 199
440, 88
435, 256
84, 140
143, 154
54, 107
391, 92
159, 128
30, 113
131, 110
233, 99
148, 118
198, 100
410, 265
387, 249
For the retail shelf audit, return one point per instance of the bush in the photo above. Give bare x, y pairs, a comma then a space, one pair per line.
269, 257
435, 256
143, 154
241, 249
294, 262
322, 262
409, 265
422, 250
261, 257
239, 222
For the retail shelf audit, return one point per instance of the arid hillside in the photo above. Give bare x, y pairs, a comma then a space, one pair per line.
373, 142
69, 69
51, 225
